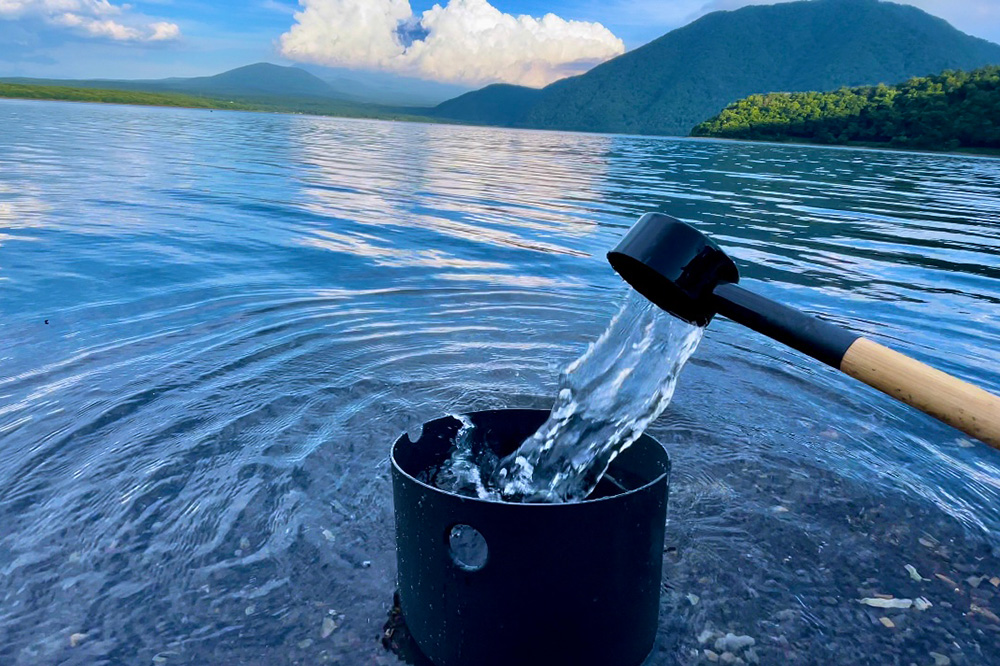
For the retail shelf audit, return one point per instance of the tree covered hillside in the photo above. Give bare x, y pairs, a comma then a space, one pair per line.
497, 104
685, 77
945, 112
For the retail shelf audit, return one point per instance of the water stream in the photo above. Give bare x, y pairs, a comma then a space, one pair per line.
607, 398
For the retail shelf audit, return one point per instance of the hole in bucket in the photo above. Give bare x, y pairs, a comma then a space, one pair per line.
468, 548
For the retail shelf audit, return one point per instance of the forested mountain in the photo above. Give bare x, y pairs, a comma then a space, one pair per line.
949, 111
498, 104
681, 79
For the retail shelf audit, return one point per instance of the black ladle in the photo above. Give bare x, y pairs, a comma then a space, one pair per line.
687, 274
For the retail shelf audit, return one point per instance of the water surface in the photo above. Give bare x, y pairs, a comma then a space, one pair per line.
213, 325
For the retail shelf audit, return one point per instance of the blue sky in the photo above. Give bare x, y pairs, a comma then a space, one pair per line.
159, 38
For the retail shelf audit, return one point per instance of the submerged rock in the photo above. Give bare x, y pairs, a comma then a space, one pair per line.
948, 581
985, 612
706, 635
328, 627
733, 643
887, 603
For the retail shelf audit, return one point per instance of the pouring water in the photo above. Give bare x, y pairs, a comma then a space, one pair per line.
606, 399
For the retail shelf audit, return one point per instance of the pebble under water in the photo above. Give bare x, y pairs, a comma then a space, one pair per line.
213, 326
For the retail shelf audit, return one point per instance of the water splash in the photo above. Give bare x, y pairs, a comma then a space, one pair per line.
464, 470
607, 398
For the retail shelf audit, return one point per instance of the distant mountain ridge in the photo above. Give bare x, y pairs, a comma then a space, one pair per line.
262, 78
274, 82
258, 87
690, 74
251, 81
389, 88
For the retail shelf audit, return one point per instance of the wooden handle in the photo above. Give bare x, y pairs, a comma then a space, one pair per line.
959, 404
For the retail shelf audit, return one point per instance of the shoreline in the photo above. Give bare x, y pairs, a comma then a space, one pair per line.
151, 106
856, 145
248, 108
163, 101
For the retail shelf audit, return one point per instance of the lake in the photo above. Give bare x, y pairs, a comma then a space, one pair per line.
213, 326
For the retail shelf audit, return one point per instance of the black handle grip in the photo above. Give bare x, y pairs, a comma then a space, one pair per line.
823, 341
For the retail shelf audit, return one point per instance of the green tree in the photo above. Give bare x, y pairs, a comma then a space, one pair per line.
949, 111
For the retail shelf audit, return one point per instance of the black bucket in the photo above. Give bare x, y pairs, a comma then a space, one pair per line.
575, 583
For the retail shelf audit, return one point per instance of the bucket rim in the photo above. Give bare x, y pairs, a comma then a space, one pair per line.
397, 468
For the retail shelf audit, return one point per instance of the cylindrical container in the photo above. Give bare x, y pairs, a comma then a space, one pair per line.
485, 583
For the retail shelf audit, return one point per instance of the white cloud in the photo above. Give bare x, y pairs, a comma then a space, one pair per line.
91, 18
466, 41
163, 31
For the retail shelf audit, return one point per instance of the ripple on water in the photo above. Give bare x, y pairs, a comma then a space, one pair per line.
245, 310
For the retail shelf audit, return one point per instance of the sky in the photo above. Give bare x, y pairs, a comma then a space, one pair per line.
466, 42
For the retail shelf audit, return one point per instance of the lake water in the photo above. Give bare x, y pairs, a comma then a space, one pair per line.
213, 326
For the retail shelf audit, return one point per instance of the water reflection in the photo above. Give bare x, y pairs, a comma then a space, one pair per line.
423, 178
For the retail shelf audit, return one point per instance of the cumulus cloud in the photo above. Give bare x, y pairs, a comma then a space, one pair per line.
92, 18
163, 31
465, 41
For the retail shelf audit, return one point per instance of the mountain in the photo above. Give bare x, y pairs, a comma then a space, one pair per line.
498, 104
260, 81
273, 83
690, 74
259, 87
374, 87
